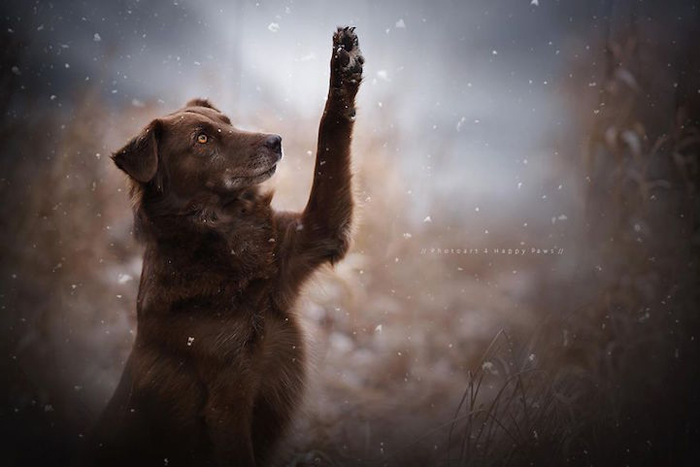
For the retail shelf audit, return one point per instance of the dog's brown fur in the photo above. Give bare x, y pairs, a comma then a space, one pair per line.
217, 367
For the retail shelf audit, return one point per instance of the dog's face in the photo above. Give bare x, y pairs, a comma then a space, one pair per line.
196, 150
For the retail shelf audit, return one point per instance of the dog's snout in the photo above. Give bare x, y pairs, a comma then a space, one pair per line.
274, 143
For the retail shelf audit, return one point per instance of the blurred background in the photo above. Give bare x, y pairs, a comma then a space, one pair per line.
523, 285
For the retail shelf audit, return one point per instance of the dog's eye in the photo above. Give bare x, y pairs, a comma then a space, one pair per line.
202, 138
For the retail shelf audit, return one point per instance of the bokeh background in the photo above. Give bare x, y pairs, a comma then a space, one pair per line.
523, 283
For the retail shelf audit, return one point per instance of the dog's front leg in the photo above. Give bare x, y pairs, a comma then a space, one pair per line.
229, 424
321, 233
327, 216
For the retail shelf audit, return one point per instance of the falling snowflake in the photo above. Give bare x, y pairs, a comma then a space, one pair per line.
273, 27
490, 367
124, 278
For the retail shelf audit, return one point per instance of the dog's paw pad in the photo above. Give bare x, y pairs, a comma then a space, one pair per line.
347, 57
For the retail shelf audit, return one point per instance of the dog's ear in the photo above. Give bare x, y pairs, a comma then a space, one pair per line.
139, 158
201, 103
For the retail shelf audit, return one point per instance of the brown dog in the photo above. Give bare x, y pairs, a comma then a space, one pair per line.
217, 367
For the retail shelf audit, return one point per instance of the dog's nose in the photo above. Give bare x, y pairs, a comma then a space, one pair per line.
274, 143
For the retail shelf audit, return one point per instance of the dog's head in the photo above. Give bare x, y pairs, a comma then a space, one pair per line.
196, 152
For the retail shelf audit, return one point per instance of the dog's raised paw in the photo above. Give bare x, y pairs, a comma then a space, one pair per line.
347, 58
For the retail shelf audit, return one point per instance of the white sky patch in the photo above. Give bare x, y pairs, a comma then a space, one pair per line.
383, 75
307, 57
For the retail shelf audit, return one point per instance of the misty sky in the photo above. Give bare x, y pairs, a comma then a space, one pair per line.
471, 88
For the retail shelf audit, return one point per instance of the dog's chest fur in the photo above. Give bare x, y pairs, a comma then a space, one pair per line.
216, 276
